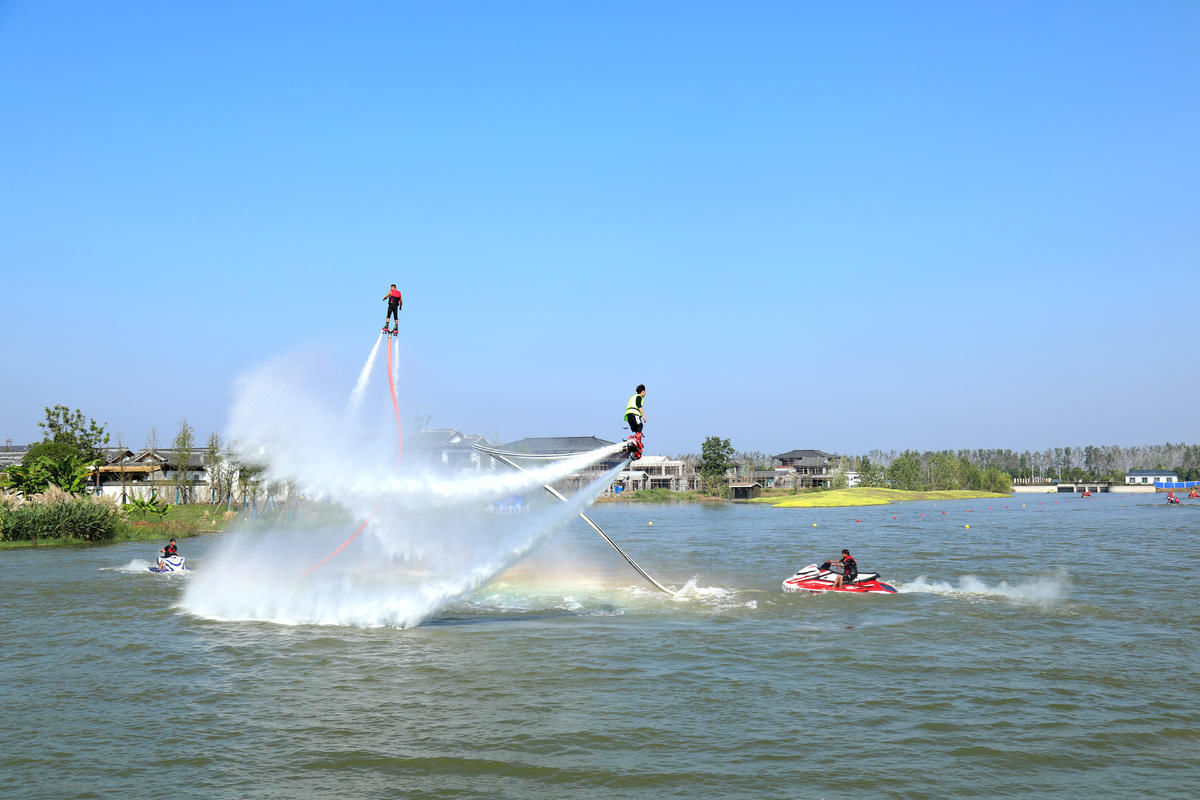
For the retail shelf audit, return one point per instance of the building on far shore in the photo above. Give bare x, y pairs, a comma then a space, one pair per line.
153, 473
563, 445
1149, 476
804, 469
449, 448
663, 473
11, 454
746, 490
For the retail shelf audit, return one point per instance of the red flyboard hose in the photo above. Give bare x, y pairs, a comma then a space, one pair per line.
361, 528
395, 405
399, 456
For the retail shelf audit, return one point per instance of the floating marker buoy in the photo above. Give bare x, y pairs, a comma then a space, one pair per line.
893, 516
651, 522
966, 526
858, 520
814, 524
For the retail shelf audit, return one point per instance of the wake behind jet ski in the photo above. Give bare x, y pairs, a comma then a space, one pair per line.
817, 579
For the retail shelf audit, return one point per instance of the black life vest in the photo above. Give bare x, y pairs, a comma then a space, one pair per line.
850, 566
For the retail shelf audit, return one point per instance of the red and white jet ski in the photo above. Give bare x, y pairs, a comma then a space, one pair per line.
820, 579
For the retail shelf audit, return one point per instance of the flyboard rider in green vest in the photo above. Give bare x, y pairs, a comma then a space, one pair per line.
635, 417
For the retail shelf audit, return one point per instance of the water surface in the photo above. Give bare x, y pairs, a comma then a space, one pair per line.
1050, 647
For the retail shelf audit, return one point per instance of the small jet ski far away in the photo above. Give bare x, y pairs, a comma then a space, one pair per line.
818, 579
170, 564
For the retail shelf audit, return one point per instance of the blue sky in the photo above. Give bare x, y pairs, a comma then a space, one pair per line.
843, 226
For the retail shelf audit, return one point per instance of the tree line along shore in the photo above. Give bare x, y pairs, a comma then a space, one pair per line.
45, 498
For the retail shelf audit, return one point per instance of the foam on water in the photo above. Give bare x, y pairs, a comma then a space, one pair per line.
719, 597
1043, 590
134, 566
601, 598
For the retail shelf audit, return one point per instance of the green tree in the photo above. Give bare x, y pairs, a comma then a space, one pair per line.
870, 473
944, 470
152, 506
26, 479
905, 471
70, 473
70, 427
249, 479
213, 465
993, 480
969, 475
839, 475
123, 473
716, 457
183, 454
54, 451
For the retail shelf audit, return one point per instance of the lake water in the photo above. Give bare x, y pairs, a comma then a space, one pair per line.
1049, 648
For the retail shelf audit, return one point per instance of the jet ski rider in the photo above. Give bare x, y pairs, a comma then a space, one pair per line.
166, 552
849, 570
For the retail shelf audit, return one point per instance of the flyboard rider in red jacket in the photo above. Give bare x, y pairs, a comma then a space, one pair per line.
395, 303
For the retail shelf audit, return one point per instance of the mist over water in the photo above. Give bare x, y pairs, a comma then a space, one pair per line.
432, 534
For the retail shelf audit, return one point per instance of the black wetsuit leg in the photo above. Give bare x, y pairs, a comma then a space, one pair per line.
634, 424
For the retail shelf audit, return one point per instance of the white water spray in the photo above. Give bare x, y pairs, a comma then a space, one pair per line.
432, 539
1039, 591
364, 377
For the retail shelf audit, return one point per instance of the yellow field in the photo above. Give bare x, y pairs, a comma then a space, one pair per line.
865, 497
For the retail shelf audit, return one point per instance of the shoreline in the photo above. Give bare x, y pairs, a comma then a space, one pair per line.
863, 496
827, 498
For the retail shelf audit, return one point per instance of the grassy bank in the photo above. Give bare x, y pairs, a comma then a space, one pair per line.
657, 496
59, 522
194, 520
865, 497
180, 521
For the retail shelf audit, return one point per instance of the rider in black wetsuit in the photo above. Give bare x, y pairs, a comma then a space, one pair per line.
169, 550
395, 303
849, 570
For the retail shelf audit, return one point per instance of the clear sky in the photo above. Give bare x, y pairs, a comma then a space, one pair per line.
842, 226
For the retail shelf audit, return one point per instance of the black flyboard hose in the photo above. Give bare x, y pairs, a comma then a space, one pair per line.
496, 455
